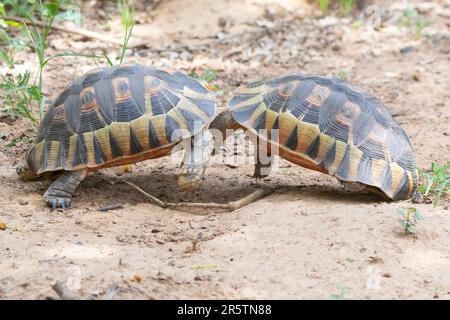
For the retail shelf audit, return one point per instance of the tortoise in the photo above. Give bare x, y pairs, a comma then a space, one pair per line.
326, 125
120, 115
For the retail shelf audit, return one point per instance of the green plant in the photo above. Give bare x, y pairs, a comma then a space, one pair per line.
435, 182
208, 76
409, 219
20, 90
347, 6
412, 17
421, 24
323, 5
343, 74
17, 140
409, 15
340, 295
127, 18
16, 7
38, 37
10, 46
18, 96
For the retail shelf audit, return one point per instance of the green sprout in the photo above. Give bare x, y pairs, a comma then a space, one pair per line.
409, 219
340, 295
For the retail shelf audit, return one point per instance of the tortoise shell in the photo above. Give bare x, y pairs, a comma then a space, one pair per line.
119, 115
328, 126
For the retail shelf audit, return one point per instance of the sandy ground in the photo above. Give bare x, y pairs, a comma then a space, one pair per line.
306, 239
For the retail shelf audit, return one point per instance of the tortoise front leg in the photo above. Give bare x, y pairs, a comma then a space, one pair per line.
60, 192
195, 160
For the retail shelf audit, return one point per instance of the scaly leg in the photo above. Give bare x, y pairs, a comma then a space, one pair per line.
263, 161
60, 192
195, 160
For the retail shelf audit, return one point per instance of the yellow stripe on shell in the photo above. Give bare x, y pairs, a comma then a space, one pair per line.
271, 117
326, 143
37, 156
253, 100
256, 113
378, 166
140, 128
287, 123
355, 158
102, 136
52, 156
192, 107
341, 148
263, 89
72, 149
121, 133
397, 176
175, 114
89, 143
306, 134
159, 124
188, 92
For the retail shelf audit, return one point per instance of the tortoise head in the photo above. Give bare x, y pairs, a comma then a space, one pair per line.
25, 172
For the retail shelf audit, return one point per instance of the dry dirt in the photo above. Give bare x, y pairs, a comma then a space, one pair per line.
305, 239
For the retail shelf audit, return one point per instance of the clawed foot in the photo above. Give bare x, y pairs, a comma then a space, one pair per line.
57, 202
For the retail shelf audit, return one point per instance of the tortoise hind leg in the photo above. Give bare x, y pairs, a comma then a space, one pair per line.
60, 192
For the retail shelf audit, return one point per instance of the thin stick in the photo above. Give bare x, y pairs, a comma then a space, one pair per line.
230, 206
82, 32
111, 207
63, 292
159, 202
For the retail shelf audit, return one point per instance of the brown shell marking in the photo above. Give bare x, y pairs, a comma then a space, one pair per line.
326, 125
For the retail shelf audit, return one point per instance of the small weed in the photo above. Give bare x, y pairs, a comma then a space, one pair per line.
409, 219
435, 182
421, 24
347, 6
208, 76
343, 74
127, 17
412, 18
324, 6
18, 140
18, 96
340, 295
10, 45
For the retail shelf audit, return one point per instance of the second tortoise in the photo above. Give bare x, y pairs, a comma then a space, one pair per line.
328, 126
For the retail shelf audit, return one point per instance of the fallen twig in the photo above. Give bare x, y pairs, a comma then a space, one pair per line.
82, 32
155, 199
230, 206
111, 207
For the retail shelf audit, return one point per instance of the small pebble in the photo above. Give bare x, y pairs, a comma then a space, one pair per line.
23, 202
